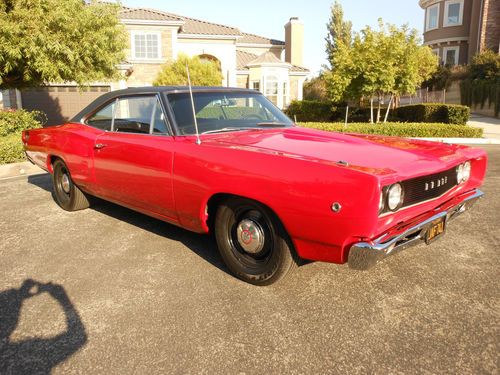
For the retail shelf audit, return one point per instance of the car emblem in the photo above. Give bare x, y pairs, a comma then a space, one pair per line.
436, 183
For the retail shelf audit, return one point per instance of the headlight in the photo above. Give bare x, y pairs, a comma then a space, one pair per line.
466, 171
460, 173
463, 172
394, 197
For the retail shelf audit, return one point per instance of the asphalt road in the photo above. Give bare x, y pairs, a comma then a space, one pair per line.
130, 294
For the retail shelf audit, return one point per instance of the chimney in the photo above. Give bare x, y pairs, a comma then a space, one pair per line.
294, 42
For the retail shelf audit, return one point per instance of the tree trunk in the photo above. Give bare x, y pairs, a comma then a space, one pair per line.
371, 109
378, 109
388, 108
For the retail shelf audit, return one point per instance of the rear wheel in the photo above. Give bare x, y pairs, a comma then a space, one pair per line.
66, 194
253, 242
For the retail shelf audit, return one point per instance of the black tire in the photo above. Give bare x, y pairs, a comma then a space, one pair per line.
252, 242
66, 194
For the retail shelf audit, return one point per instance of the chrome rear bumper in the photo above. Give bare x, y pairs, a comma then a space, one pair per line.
364, 255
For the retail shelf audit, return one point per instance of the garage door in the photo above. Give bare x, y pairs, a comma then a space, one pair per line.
60, 103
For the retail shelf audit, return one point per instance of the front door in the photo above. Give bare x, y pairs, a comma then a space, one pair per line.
133, 161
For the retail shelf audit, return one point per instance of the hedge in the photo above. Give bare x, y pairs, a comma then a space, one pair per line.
434, 112
432, 130
311, 110
12, 123
318, 111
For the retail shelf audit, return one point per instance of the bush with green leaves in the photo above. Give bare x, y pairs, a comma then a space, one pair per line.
311, 110
12, 123
428, 130
483, 82
434, 112
202, 72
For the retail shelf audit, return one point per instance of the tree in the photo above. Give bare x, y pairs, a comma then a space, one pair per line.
338, 31
202, 72
388, 61
44, 41
315, 88
485, 65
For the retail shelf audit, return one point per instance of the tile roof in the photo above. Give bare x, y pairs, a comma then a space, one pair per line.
194, 26
147, 15
191, 25
245, 58
266, 58
296, 68
256, 39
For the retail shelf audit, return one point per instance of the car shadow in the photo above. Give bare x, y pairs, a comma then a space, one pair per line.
202, 245
37, 355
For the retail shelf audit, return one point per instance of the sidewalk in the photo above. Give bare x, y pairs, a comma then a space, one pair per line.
490, 125
18, 169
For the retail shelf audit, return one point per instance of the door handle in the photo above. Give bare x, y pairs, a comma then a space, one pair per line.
98, 146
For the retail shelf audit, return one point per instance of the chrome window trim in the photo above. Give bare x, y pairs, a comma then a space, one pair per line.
170, 129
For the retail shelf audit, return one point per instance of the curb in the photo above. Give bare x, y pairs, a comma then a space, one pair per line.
24, 168
464, 141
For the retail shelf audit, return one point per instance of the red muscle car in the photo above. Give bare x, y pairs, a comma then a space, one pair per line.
272, 193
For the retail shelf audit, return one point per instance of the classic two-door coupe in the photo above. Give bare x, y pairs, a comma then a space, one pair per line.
272, 193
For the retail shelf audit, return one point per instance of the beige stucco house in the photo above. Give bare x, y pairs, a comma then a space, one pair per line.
155, 37
456, 30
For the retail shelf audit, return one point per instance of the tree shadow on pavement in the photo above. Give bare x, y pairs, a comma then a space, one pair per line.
37, 355
202, 245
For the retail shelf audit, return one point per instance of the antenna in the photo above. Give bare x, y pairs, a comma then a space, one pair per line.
198, 141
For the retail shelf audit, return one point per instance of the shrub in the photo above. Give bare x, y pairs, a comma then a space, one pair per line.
434, 113
311, 110
434, 130
12, 123
11, 148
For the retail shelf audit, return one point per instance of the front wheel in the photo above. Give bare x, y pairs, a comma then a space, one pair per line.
253, 242
66, 194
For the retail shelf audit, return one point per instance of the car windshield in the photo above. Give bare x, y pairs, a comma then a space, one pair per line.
225, 112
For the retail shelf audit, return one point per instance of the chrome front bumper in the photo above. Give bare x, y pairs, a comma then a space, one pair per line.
364, 255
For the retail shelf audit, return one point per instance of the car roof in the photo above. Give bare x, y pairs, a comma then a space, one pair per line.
151, 90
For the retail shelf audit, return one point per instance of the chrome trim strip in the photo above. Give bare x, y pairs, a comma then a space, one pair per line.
364, 255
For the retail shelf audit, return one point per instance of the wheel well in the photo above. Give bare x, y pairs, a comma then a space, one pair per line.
215, 201
211, 208
51, 160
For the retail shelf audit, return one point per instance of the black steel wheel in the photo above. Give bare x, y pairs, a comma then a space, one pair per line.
66, 194
253, 242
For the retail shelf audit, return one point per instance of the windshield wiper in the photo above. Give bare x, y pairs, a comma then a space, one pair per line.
223, 130
271, 124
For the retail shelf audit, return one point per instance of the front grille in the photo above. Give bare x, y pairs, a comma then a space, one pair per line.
428, 187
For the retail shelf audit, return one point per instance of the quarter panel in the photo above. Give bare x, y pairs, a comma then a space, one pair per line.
300, 192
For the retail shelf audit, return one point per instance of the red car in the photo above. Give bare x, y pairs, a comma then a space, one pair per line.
271, 192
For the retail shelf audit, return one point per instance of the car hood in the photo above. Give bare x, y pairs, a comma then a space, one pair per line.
377, 155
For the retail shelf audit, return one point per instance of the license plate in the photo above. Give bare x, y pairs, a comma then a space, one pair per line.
436, 230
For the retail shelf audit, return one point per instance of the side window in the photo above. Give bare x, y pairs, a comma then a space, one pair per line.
134, 114
139, 114
159, 120
103, 118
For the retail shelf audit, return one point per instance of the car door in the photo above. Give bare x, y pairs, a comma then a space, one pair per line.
133, 160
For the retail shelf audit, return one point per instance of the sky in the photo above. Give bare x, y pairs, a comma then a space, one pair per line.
268, 17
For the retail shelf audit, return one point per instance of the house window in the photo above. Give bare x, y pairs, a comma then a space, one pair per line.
432, 17
256, 85
146, 46
450, 55
285, 93
453, 12
272, 89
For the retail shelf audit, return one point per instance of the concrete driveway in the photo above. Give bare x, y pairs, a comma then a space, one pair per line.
116, 292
